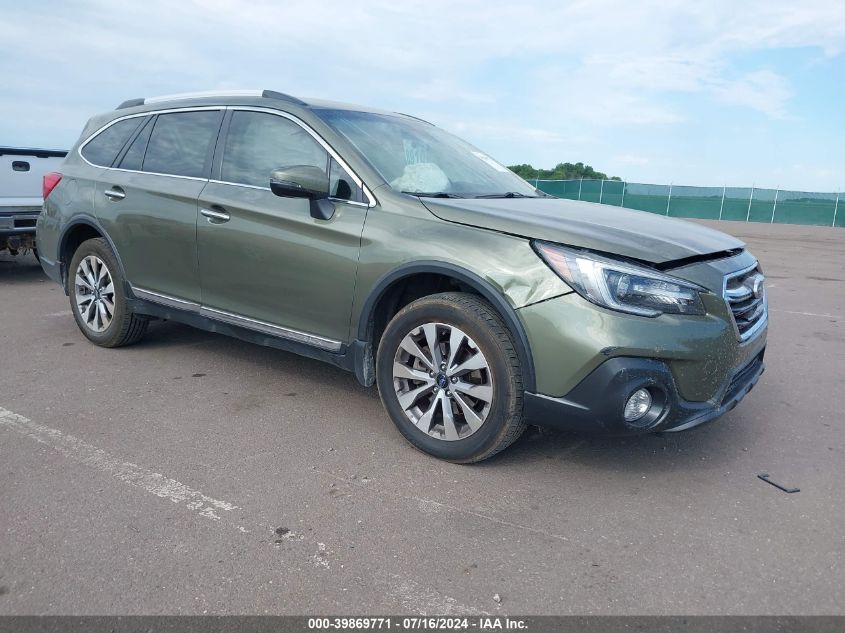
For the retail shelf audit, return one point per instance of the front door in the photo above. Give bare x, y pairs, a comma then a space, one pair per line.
264, 261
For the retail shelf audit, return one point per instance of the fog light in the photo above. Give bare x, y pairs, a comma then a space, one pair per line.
638, 405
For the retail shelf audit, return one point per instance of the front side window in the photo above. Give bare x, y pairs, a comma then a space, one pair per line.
180, 142
416, 157
341, 184
103, 148
258, 142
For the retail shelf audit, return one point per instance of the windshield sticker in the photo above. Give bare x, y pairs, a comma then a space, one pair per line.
414, 152
491, 162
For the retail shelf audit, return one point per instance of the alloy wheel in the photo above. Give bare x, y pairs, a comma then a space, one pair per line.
94, 291
442, 381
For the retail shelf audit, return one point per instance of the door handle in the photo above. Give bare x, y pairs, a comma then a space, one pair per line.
215, 217
114, 194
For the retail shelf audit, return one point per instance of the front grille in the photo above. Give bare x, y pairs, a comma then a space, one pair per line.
746, 296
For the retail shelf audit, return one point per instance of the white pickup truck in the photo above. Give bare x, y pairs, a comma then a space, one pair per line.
21, 173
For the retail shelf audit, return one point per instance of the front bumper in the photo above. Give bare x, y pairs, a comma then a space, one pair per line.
596, 404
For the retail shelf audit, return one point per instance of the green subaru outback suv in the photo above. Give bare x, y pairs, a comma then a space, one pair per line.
379, 243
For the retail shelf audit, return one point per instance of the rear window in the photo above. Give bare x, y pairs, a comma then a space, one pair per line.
180, 142
103, 148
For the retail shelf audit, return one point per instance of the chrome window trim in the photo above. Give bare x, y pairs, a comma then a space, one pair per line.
371, 200
764, 319
135, 116
241, 321
238, 184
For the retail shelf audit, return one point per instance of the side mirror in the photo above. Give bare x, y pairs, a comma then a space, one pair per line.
304, 181
300, 181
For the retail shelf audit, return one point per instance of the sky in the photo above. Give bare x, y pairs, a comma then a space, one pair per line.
694, 93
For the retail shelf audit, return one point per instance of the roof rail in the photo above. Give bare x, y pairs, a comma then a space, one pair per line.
130, 103
266, 94
281, 96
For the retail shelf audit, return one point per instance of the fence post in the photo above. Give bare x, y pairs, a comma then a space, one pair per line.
669, 199
622, 204
748, 214
601, 190
579, 186
775, 207
722, 205
835, 209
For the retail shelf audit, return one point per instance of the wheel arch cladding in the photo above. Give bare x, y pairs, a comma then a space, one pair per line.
75, 233
384, 289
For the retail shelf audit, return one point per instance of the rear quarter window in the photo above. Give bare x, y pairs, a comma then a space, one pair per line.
104, 148
134, 156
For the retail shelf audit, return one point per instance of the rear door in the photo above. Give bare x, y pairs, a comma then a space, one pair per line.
269, 263
147, 202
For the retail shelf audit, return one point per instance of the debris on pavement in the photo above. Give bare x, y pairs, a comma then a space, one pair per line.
765, 477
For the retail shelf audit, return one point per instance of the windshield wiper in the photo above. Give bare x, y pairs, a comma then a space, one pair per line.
507, 194
432, 194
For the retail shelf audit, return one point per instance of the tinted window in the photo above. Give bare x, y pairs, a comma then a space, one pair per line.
134, 157
342, 186
180, 142
103, 148
258, 143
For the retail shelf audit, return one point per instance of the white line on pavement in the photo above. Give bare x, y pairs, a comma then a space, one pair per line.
79, 451
427, 601
413, 596
815, 314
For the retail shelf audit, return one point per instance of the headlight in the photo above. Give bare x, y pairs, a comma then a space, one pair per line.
622, 287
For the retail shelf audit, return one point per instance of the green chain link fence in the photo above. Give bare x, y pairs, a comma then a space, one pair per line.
744, 204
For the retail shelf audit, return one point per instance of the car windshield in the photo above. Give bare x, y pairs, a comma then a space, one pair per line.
418, 158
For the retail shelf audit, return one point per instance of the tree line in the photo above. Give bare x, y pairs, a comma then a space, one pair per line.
561, 171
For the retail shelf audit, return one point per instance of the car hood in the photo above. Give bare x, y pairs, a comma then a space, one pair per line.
635, 234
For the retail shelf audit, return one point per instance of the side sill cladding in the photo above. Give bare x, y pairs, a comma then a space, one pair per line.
347, 357
482, 287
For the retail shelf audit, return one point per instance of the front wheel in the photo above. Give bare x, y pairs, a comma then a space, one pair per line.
450, 378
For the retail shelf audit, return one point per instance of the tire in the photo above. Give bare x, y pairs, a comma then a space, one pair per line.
478, 384
105, 326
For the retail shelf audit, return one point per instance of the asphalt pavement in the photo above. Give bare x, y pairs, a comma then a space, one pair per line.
194, 473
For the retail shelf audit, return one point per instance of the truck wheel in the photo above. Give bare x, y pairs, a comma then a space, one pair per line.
450, 378
98, 298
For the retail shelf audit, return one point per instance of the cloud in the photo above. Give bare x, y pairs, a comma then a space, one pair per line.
514, 73
441, 90
630, 159
762, 90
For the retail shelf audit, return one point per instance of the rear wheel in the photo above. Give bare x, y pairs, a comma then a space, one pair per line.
449, 376
98, 298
